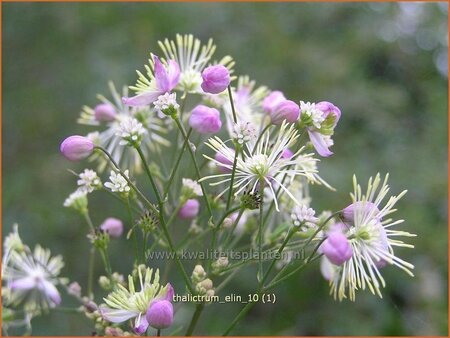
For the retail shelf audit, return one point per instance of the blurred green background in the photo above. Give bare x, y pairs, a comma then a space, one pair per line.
383, 64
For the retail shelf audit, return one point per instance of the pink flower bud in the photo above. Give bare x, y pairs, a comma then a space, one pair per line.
215, 79
160, 314
189, 209
112, 226
222, 159
205, 120
105, 112
348, 213
285, 110
272, 100
76, 147
287, 154
329, 109
337, 248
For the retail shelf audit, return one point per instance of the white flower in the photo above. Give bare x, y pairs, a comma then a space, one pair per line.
123, 304
192, 57
191, 187
309, 110
31, 278
77, 200
166, 101
302, 215
118, 182
266, 164
89, 181
152, 140
131, 131
372, 242
244, 132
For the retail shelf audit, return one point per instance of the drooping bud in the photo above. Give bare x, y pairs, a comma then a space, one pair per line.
205, 120
105, 112
215, 79
76, 148
349, 212
285, 111
272, 100
112, 226
337, 248
189, 209
160, 314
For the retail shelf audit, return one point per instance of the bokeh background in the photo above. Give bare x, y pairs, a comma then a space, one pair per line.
383, 64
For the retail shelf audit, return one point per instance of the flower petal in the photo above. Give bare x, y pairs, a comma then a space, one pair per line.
141, 99
25, 283
319, 143
116, 315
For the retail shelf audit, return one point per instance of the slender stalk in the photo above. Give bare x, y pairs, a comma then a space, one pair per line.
194, 320
197, 170
240, 315
233, 227
280, 250
233, 173
177, 163
150, 176
158, 333
135, 239
260, 231
91, 273
232, 104
89, 221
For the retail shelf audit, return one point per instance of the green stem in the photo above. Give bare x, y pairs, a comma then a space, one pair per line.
197, 170
150, 176
230, 95
233, 173
260, 231
177, 164
240, 315
233, 227
91, 273
280, 250
135, 239
194, 320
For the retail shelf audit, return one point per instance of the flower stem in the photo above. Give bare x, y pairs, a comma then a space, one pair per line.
260, 231
230, 95
150, 176
197, 170
91, 273
177, 163
233, 173
194, 320
240, 315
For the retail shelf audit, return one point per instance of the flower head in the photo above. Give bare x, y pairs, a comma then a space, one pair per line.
160, 80
192, 57
189, 209
215, 79
244, 132
76, 148
123, 304
89, 181
205, 120
304, 216
265, 164
118, 183
112, 226
77, 200
272, 100
191, 188
285, 111
131, 131
372, 239
105, 112
31, 278
167, 104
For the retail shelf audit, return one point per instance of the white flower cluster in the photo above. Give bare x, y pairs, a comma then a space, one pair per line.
166, 101
131, 131
191, 187
244, 132
302, 215
89, 181
118, 182
309, 109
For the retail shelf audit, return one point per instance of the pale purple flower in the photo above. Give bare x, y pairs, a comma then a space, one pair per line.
189, 209
215, 79
287, 154
320, 119
160, 314
105, 112
112, 226
337, 248
163, 80
285, 110
76, 147
272, 100
205, 120
349, 212
225, 165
